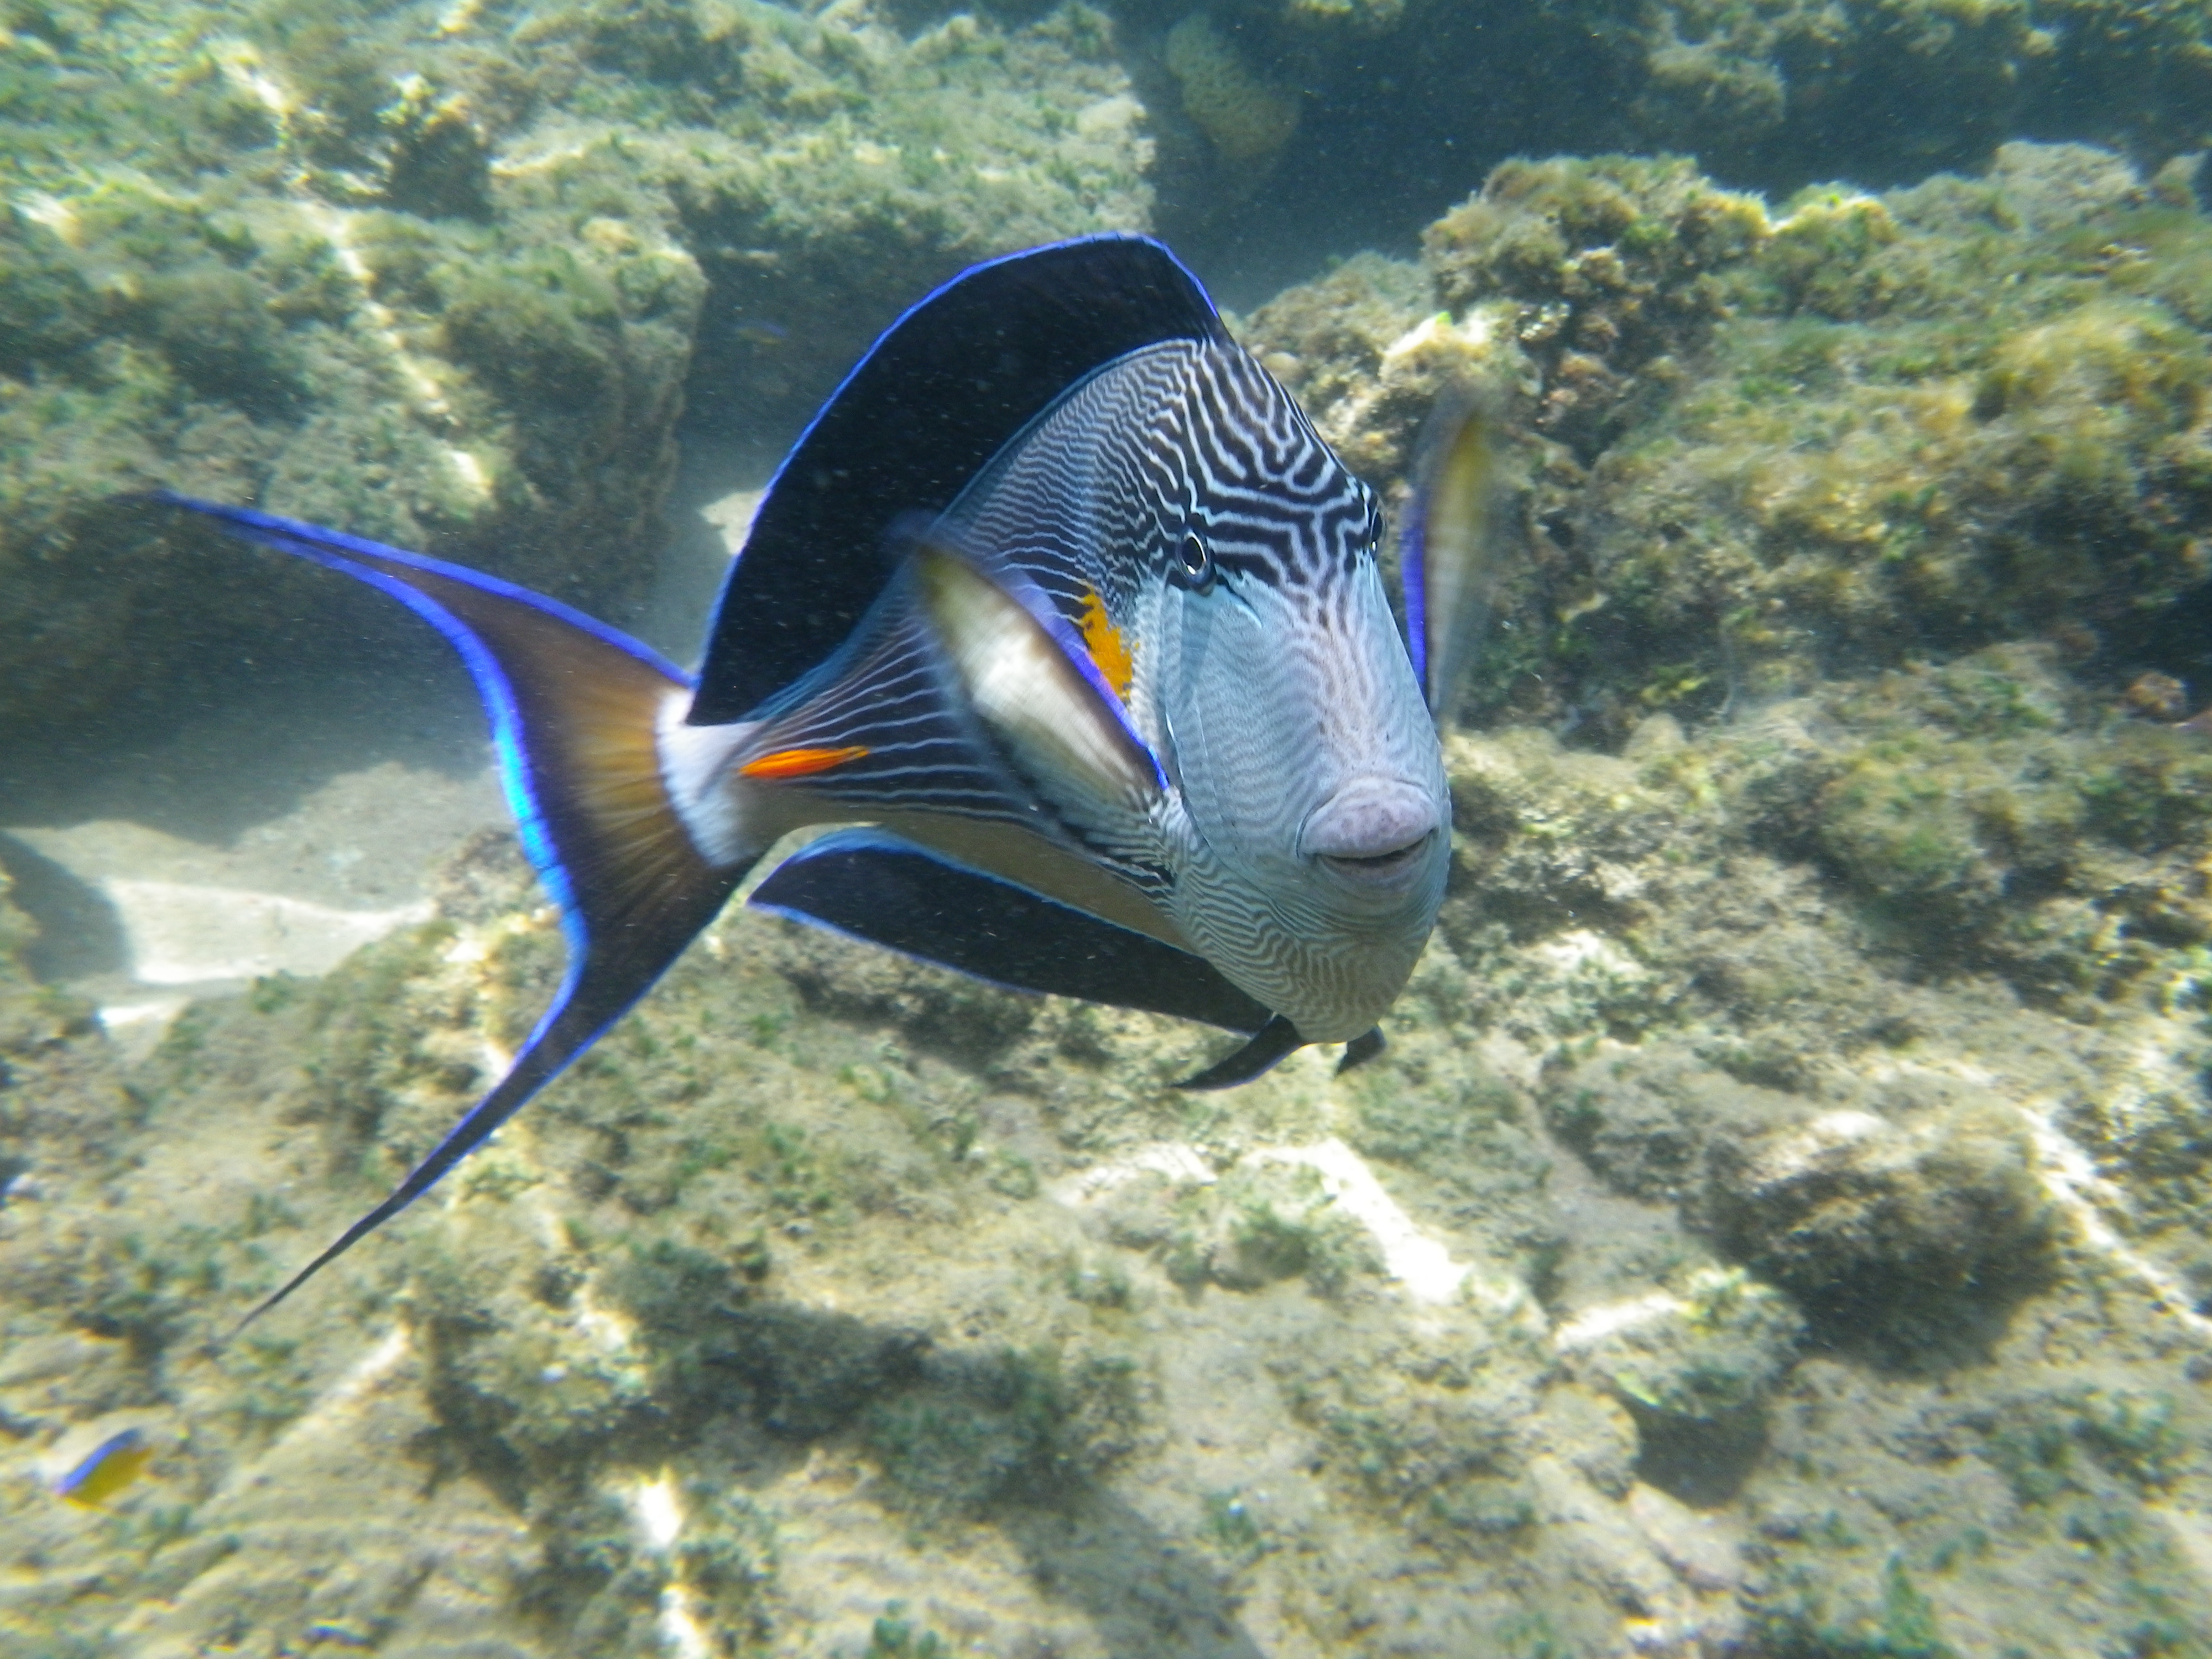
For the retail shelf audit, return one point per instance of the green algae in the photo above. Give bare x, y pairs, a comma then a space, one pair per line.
797, 1247
368, 270
1616, 256
1716, 1349
894, 1636
1778, 445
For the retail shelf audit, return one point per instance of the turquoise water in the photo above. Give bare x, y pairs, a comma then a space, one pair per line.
1777, 1223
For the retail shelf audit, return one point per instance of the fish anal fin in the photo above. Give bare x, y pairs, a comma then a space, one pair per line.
890, 892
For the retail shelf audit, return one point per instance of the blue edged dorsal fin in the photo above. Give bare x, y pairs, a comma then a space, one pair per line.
947, 385
888, 891
574, 707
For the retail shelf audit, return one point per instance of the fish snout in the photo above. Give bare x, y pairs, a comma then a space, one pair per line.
1374, 832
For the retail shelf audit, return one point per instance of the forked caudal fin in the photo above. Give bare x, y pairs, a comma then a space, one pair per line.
575, 709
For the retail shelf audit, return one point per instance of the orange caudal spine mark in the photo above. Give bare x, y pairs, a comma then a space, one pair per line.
1108, 648
798, 762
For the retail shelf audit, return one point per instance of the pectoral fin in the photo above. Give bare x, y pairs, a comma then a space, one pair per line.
1361, 1049
1028, 679
1269, 1047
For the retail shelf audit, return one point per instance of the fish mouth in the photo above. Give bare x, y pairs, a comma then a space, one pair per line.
1388, 869
1375, 833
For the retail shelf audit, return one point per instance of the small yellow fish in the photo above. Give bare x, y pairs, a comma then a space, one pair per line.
107, 1470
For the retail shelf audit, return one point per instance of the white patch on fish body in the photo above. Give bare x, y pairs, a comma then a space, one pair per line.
710, 797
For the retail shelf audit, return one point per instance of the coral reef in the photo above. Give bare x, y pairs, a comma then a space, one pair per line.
1767, 448
1777, 1222
1715, 1347
1865, 1212
453, 286
221, 335
1692, 1260
1406, 100
617, 1335
1596, 268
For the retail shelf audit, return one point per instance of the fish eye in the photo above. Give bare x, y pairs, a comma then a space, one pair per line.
1193, 565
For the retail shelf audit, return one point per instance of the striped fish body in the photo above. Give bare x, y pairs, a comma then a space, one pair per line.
1063, 598
1180, 511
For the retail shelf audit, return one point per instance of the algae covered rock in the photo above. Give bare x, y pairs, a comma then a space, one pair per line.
448, 384
2054, 1478
1716, 1347
862, 167
1245, 116
1605, 264
1881, 1208
1988, 814
1760, 446
1262, 1224
64, 1103
429, 284
752, 1288
1856, 1211
1881, 449
1401, 103
2150, 1142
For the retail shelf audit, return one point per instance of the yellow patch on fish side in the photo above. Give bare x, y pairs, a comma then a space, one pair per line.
111, 1466
1108, 648
799, 762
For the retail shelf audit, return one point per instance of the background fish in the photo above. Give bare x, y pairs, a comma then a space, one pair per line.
1095, 643
1451, 544
105, 1470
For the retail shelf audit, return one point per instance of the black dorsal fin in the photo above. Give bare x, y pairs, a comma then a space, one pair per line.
941, 392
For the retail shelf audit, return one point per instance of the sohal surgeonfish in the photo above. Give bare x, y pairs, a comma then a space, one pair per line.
1064, 600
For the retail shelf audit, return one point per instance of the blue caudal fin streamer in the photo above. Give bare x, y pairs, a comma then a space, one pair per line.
573, 707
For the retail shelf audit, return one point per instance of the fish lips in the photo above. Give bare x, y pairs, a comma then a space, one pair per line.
1376, 835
